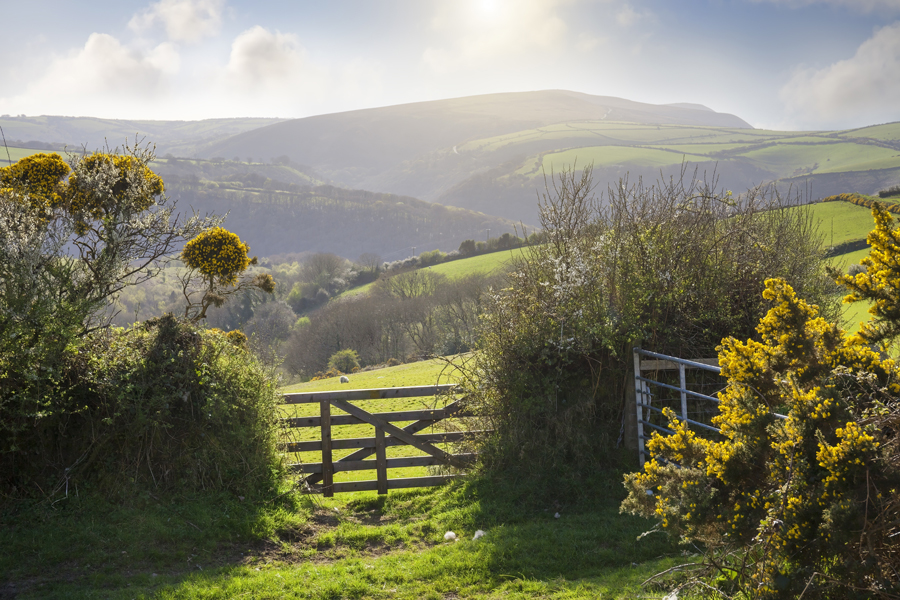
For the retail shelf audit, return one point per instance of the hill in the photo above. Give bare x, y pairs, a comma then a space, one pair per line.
182, 138
284, 208
330, 219
489, 153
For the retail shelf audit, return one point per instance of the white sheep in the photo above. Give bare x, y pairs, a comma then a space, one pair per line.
345, 379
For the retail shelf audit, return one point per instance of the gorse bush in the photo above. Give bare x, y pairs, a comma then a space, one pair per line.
808, 505
674, 267
80, 404
217, 254
67, 247
861, 200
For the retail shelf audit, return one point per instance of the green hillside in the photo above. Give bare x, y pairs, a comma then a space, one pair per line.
287, 208
486, 264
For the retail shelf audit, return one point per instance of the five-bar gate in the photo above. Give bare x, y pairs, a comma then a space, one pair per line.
321, 474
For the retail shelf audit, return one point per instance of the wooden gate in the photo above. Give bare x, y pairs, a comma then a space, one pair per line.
321, 474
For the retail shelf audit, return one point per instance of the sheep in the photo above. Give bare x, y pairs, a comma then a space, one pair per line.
345, 379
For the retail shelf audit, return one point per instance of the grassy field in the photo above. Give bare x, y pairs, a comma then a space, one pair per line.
171, 546
483, 263
781, 153
9, 155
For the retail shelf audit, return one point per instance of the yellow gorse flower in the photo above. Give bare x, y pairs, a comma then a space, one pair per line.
217, 254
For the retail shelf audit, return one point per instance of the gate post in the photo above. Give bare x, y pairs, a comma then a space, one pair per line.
380, 461
631, 431
639, 406
327, 464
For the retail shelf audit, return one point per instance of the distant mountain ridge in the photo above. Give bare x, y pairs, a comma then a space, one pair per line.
356, 147
181, 138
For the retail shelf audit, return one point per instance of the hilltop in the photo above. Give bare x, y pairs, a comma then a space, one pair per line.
490, 153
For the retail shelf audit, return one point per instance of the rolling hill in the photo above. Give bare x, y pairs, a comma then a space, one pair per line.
489, 153
181, 138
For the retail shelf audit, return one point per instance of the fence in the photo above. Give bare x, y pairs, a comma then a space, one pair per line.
644, 397
321, 474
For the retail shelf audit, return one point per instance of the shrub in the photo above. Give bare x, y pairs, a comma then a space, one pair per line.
344, 361
674, 266
218, 255
66, 249
159, 405
216, 258
806, 506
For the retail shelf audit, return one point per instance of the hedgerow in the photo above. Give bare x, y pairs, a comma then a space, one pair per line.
674, 266
861, 200
162, 405
807, 505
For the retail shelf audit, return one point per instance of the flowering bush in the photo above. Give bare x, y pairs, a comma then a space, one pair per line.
808, 504
217, 254
37, 178
219, 257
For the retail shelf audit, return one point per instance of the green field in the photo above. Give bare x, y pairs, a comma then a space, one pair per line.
10, 154
486, 264
841, 222
781, 153
171, 546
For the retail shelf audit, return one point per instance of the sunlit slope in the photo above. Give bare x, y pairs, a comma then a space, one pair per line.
780, 154
484, 264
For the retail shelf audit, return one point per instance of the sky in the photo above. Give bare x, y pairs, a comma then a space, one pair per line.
778, 64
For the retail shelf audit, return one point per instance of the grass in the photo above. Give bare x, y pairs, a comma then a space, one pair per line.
783, 153
16, 154
392, 546
178, 546
841, 222
492, 262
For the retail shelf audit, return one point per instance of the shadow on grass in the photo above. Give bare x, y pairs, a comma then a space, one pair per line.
370, 547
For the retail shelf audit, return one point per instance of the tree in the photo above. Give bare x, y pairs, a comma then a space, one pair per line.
217, 258
72, 236
467, 247
108, 226
369, 262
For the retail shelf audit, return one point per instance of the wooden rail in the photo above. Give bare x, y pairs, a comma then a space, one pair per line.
386, 435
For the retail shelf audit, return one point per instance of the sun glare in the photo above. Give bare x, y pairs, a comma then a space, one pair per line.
487, 10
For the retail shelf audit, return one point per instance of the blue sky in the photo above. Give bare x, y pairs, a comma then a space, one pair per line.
789, 64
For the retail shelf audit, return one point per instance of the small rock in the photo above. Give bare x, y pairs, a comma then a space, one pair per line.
478, 534
449, 537
556, 516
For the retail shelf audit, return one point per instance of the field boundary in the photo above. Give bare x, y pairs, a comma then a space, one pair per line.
321, 474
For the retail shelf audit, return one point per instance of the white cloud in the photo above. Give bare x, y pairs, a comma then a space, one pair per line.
864, 6
184, 20
476, 32
115, 79
270, 71
860, 90
261, 57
